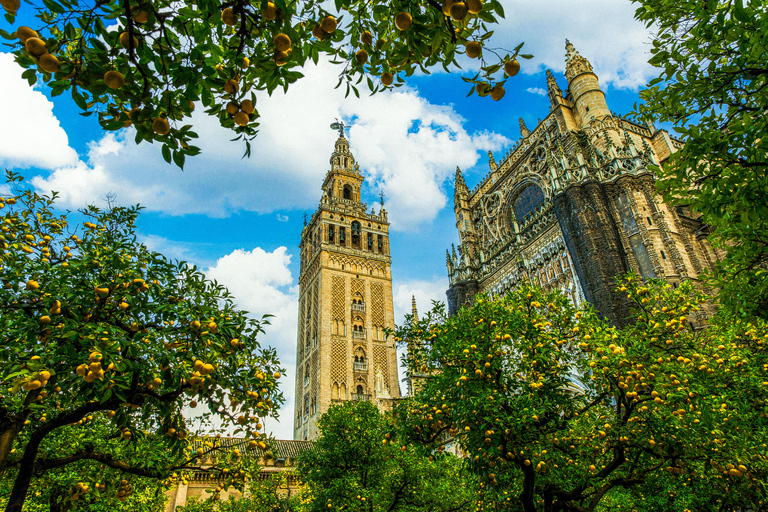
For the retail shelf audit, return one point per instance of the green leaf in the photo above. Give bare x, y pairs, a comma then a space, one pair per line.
166, 153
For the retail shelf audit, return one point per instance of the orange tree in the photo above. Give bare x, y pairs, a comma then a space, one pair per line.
93, 326
557, 410
361, 464
145, 62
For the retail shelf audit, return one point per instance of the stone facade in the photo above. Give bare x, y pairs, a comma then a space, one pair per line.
573, 205
345, 301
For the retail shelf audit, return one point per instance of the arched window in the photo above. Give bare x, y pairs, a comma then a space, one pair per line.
359, 390
356, 234
527, 202
331, 233
370, 242
347, 191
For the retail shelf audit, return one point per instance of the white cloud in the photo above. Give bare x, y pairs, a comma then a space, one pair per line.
261, 283
603, 31
282, 218
30, 135
537, 90
399, 158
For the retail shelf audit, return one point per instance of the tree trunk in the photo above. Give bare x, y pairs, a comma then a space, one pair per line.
24, 477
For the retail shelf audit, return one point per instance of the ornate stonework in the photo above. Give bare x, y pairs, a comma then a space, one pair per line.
345, 301
572, 205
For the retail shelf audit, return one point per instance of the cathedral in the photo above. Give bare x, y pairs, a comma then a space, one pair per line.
573, 205
345, 301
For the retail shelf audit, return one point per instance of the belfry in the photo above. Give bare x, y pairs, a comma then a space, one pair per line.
345, 300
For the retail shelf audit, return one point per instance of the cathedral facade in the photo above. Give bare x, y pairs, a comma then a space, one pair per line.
345, 301
573, 205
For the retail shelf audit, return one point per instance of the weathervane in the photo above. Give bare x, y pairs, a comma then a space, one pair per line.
338, 125
381, 198
305, 219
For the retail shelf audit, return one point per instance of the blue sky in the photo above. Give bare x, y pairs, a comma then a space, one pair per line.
240, 219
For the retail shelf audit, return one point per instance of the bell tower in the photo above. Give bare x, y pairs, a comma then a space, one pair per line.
345, 300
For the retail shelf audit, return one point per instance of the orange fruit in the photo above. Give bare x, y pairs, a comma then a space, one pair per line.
11, 5
35, 46
241, 119
231, 86
49, 63
403, 21
328, 24
474, 49
114, 79
361, 56
474, 6
229, 17
247, 107
141, 17
282, 42
232, 108
447, 7
24, 33
318, 32
281, 58
497, 92
387, 78
366, 37
124, 40
459, 11
160, 126
483, 89
270, 12
511, 67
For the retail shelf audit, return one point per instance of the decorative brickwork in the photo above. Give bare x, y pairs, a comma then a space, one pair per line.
377, 304
338, 297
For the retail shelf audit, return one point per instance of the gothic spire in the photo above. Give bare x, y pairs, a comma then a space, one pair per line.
491, 161
575, 64
413, 309
524, 131
460, 186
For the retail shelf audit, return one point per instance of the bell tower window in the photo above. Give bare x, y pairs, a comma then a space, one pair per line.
331, 233
356, 234
347, 191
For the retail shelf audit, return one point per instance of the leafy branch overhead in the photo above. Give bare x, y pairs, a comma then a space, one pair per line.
148, 63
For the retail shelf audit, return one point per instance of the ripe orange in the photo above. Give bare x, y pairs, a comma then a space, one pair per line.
483, 89
141, 17
241, 118
270, 12
511, 67
24, 33
247, 107
361, 56
124, 40
35, 46
447, 7
497, 92
459, 11
403, 21
160, 126
11, 5
328, 24
387, 78
474, 6
282, 42
49, 63
318, 32
114, 79
229, 17
281, 58
232, 108
231, 86
366, 37
474, 49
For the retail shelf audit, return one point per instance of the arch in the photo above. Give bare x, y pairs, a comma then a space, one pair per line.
527, 202
347, 192
360, 390
335, 391
359, 355
343, 391
356, 234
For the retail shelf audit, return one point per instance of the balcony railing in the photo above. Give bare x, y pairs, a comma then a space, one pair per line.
360, 367
306, 382
358, 307
360, 335
360, 396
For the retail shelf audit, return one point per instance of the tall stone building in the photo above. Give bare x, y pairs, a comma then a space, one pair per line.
345, 301
573, 205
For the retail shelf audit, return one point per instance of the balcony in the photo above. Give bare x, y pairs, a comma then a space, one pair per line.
306, 382
360, 367
362, 397
358, 307
358, 335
